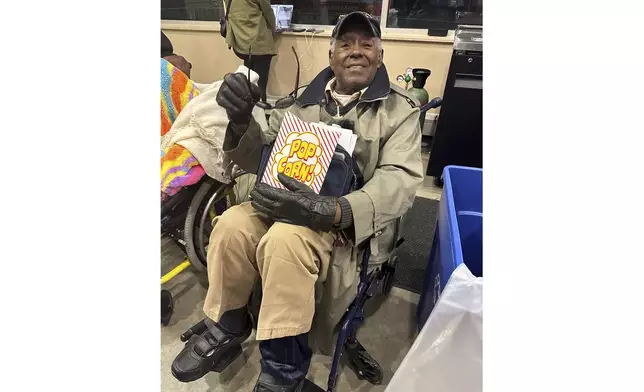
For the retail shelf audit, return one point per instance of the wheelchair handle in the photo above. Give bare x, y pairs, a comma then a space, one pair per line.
236, 173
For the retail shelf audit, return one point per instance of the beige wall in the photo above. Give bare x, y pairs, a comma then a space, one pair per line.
211, 59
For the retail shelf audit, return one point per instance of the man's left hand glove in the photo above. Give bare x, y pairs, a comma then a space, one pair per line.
298, 205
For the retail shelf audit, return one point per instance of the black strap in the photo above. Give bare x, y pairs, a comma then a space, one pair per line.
219, 335
227, 10
200, 345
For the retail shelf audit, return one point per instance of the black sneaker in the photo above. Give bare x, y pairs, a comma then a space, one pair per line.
212, 350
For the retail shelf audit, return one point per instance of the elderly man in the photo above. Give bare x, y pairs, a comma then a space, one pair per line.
291, 239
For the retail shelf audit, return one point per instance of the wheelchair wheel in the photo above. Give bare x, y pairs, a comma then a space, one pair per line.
173, 212
208, 202
438, 181
167, 306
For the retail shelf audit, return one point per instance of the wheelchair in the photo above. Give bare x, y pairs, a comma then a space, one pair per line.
375, 281
185, 218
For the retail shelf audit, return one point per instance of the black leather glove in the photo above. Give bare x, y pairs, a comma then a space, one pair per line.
238, 96
298, 206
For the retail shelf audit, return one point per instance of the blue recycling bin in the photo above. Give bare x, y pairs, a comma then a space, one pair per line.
458, 237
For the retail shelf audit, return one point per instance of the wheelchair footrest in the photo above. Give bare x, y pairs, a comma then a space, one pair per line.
363, 364
227, 358
310, 386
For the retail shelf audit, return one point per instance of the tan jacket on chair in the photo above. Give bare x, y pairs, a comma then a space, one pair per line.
388, 153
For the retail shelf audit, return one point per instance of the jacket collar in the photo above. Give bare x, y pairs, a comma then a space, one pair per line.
315, 93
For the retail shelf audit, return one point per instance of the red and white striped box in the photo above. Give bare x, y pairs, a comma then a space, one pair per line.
303, 151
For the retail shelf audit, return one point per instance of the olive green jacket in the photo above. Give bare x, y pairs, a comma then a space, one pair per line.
250, 25
388, 152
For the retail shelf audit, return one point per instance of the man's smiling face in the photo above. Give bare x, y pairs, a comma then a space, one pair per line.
354, 59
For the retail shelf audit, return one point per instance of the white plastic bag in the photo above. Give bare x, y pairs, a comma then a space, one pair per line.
447, 354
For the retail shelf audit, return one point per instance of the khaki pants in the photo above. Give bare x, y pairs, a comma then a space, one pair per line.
289, 259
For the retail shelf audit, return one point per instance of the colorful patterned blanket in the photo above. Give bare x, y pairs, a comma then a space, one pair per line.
176, 91
178, 167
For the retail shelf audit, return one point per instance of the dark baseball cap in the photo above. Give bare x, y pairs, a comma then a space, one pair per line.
356, 18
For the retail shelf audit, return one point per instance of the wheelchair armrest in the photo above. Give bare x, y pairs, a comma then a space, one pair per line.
366, 245
237, 172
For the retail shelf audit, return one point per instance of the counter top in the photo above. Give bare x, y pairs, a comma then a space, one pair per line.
388, 34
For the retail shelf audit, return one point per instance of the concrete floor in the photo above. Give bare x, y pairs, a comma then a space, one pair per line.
387, 334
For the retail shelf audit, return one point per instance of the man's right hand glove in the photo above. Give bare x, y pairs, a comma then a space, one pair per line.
238, 96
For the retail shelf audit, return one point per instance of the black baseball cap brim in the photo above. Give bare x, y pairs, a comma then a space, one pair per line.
357, 18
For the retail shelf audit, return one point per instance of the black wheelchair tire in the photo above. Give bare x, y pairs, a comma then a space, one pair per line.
167, 307
206, 189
